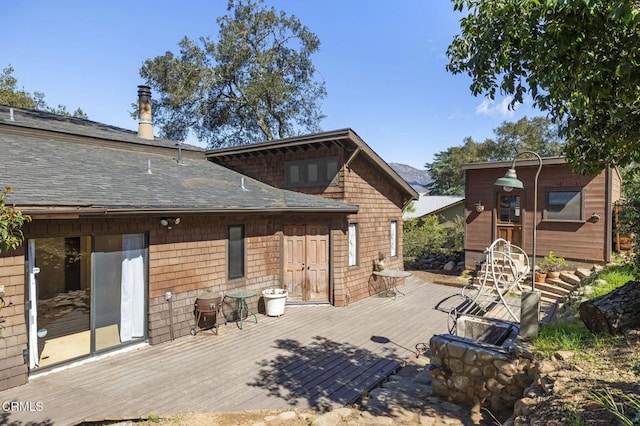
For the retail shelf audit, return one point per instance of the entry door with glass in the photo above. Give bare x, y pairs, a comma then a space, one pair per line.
509, 217
85, 294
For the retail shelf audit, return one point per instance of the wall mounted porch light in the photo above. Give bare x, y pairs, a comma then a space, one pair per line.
530, 303
169, 222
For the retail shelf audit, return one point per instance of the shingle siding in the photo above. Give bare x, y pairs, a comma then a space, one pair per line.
13, 370
362, 184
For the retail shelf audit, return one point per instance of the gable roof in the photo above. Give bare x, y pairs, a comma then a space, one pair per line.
346, 138
61, 165
432, 204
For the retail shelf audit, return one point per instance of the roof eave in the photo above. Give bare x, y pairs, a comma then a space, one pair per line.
519, 163
37, 212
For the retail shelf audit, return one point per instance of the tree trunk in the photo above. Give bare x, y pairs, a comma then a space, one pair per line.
614, 312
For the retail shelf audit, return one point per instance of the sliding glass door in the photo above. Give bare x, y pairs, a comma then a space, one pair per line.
86, 294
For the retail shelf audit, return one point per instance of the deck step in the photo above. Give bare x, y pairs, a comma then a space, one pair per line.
583, 273
552, 287
570, 278
557, 282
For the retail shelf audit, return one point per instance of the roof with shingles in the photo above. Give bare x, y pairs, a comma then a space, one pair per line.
46, 170
343, 135
428, 204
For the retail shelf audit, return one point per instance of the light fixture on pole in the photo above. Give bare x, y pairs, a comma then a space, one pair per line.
530, 304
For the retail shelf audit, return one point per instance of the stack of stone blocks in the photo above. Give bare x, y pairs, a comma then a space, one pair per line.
470, 372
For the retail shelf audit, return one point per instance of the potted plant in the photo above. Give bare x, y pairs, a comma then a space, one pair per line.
540, 275
378, 263
552, 265
274, 301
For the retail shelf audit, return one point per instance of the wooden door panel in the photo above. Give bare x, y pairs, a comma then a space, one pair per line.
512, 234
294, 267
318, 263
306, 262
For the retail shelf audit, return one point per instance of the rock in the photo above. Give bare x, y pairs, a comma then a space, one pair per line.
564, 355
533, 392
523, 406
407, 387
583, 273
545, 366
333, 417
381, 400
546, 383
449, 266
424, 377
287, 415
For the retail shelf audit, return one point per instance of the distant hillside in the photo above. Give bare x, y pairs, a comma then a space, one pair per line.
418, 179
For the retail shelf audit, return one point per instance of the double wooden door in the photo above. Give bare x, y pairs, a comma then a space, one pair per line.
306, 262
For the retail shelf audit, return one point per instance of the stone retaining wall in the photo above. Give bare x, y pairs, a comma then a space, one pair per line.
470, 373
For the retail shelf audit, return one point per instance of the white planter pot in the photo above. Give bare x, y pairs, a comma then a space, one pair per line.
274, 300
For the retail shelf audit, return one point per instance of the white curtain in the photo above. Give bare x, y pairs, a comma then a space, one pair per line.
132, 287
394, 239
353, 247
33, 307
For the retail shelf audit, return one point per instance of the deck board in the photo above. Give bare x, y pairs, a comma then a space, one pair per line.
310, 356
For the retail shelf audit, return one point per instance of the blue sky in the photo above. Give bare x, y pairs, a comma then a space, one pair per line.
383, 63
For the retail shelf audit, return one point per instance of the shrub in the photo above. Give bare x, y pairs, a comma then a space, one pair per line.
552, 263
423, 236
11, 220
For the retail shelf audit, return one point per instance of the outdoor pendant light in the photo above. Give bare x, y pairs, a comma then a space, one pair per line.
510, 180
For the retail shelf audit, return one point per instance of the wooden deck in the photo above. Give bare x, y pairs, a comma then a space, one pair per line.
311, 356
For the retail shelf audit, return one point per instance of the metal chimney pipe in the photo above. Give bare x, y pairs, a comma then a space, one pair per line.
145, 123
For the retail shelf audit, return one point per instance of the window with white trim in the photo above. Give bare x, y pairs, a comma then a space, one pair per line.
393, 233
353, 244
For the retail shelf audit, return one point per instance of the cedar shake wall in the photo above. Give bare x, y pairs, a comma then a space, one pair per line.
361, 184
192, 258
379, 203
578, 241
186, 260
13, 332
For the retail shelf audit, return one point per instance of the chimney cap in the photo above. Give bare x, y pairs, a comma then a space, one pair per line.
144, 90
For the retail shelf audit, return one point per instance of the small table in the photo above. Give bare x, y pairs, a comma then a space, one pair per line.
241, 295
391, 276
